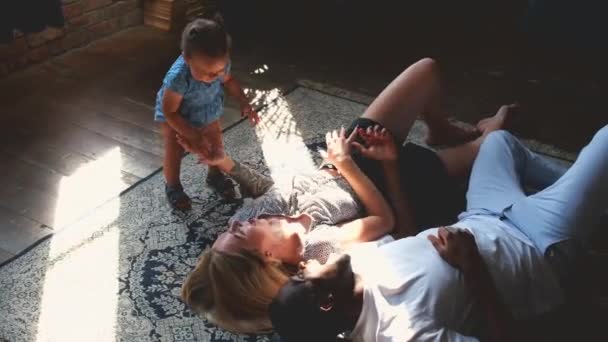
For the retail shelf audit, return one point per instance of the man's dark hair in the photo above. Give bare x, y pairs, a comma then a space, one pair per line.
296, 315
206, 36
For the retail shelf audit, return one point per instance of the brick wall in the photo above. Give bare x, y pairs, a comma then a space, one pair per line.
85, 21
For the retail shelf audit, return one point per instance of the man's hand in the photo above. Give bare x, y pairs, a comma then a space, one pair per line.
379, 144
249, 112
457, 247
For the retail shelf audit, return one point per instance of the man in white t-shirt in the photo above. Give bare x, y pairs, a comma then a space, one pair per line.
503, 261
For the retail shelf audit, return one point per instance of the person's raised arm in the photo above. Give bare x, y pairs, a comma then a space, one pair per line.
252, 181
380, 145
380, 219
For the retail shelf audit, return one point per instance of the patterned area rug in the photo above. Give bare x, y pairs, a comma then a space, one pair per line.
116, 275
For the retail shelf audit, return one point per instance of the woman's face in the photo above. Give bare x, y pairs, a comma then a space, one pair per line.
276, 237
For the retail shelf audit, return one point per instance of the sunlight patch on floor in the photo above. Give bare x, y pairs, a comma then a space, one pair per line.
80, 294
260, 98
81, 196
285, 152
89, 186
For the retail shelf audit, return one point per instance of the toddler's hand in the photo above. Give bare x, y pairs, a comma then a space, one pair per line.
249, 112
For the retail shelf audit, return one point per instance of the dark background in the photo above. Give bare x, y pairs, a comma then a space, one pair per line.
547, 55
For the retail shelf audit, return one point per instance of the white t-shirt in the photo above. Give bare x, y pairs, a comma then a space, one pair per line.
411, 294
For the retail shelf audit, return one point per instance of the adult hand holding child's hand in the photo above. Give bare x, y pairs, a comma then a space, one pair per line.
209, 146
206, 154
213, 140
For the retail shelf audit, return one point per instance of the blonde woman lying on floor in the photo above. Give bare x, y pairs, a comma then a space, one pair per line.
367, 176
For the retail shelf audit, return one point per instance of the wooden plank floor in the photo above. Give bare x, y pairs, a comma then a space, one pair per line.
86, 115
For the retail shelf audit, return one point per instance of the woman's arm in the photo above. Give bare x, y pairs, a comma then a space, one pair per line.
253, 182
381, 146
404, 221
380, 219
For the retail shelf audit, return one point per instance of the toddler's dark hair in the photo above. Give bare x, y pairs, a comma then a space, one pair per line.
206, 36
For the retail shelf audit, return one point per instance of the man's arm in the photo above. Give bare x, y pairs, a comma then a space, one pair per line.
458, 248
480, 285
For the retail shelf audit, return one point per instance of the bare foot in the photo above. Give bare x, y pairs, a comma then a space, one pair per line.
496, 122
448, 134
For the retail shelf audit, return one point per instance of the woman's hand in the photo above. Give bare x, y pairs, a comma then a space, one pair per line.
379, 144
206, 152
193, 146
214, 159
339, 147
209, 142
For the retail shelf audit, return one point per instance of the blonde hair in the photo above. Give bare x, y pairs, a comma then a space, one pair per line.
234, 291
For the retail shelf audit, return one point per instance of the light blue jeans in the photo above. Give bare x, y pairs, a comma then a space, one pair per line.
560, 216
